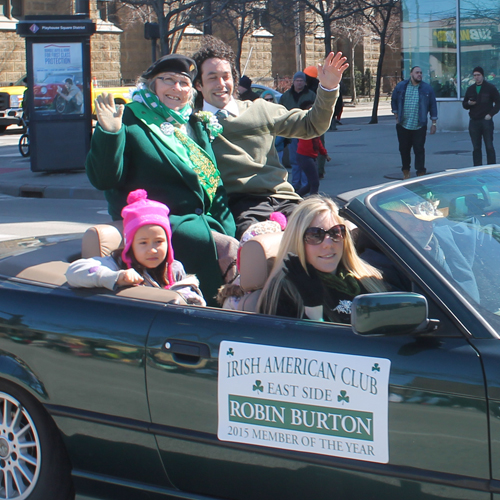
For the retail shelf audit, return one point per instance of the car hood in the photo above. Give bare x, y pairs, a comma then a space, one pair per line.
21, 246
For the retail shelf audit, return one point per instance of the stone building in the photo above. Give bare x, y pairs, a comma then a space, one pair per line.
105, 43
120, 53
447, 44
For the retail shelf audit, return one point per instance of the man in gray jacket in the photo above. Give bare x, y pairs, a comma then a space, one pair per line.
412, 101
254, 179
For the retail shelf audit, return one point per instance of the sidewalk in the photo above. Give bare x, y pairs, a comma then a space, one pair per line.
362, 155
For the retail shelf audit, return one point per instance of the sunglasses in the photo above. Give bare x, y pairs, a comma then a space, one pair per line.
316, 235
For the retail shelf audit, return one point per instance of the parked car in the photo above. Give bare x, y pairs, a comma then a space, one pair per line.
132, 394
11, 99
260, 89
45, 93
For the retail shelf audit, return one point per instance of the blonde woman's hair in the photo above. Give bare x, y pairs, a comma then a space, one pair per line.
293, 242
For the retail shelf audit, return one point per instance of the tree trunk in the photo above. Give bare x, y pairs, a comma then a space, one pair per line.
353, 75
164, 39
328, 35
239, 41
207, 13
237, 59
378, 81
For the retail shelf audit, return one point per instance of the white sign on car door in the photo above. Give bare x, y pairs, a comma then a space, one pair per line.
312, 401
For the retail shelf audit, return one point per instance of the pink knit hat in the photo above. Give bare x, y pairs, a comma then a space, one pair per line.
141, 212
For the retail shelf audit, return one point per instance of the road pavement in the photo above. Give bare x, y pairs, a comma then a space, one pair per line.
362, 155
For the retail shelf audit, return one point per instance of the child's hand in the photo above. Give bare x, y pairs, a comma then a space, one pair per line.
129, 277
328, 158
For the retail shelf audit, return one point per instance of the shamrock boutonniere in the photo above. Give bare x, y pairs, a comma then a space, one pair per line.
167, 128
212, 125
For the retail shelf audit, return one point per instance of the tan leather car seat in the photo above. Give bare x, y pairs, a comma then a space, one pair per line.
102, 239
256, 261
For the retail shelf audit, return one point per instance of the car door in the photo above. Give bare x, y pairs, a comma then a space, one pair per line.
490, 355
82, 350
436, 409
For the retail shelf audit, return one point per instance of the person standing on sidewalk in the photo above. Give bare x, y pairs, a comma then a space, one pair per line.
312, 82
307, 154
291, 99
482, 99
412, 100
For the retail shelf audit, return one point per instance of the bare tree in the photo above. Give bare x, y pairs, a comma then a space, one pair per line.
330, 11
239, 16
380, 14
353, 30
174, 16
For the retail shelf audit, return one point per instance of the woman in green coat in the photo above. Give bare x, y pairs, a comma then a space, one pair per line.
156, 143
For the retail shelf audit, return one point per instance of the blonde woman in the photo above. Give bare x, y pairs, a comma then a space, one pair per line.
317, 272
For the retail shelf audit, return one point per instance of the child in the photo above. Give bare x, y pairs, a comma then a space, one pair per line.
147, 259
307, 152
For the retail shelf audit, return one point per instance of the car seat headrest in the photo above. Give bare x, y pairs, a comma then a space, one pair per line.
256, 260
102, 239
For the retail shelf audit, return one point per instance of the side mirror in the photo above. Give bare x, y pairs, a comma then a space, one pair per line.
390, 313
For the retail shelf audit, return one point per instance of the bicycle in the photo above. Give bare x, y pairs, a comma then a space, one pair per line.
24, 140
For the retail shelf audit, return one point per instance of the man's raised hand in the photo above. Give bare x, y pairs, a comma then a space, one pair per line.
330, 72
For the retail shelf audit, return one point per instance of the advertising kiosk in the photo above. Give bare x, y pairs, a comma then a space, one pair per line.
58, 95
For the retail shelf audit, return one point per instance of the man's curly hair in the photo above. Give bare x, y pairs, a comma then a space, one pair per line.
215, 48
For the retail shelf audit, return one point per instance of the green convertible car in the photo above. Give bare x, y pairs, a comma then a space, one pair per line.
136, 395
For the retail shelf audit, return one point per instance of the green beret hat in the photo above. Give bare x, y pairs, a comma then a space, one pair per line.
174, 63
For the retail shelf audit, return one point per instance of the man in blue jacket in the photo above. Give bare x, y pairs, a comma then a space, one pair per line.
412, 100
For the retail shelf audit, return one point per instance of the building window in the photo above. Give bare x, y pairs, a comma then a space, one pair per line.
429, 40
479, 41
103, 7
11, 9
82, 7
260, 14
261, 19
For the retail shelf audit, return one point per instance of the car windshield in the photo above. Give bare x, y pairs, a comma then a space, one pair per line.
454, 222
56, 78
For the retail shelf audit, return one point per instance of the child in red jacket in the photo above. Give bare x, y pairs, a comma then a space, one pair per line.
307, 152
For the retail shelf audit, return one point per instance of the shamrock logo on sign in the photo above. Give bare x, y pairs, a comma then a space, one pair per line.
230, 352
376, 367
343, 397
258, 386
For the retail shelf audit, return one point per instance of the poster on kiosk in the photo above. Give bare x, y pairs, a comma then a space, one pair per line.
58, 78
59, 98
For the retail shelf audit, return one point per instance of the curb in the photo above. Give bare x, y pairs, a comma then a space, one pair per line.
55, 192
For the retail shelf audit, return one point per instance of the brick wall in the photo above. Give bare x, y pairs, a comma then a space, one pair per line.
105, 56
136, 52
127, 54
12, 57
